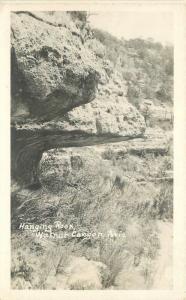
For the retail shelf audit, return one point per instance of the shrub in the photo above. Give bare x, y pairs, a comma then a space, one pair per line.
162, 207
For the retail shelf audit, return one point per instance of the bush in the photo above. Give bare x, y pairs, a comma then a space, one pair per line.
162, 207
146, 66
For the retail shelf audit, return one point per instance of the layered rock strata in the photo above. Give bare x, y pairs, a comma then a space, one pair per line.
63, 93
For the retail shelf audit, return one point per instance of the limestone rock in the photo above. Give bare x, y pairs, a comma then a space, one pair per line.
64, 94
79, 274
77, 172
109, 113
52, 70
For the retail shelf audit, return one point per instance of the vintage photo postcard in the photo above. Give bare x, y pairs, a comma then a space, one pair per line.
96, 117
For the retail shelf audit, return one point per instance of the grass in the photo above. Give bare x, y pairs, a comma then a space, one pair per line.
111, 194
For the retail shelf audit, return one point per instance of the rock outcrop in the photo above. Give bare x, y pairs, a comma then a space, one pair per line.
52, 70
63, 93
79, 274
69, 108
95, 170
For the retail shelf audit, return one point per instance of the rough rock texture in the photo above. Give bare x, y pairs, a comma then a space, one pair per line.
55, 75
110, 113
79, 273
95, 170
77, 172
67, 105
29, 143
52, 70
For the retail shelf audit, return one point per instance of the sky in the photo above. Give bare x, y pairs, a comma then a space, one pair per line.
129, 25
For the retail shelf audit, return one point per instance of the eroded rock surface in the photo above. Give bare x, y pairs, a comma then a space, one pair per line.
69, 108
52, 70
63, 92
79, 273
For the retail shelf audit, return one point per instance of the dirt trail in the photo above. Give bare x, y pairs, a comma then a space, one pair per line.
163, 267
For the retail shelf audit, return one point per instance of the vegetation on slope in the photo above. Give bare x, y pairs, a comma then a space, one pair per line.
100, 192
147, 67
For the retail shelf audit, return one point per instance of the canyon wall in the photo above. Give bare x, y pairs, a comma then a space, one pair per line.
64, 94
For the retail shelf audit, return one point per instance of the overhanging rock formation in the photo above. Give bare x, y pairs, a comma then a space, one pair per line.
63, 95
52, 71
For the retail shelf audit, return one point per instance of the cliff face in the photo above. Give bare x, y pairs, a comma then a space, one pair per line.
64, 94
69, 108
53, 70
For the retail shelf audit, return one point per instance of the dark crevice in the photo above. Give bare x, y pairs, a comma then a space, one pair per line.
27, 149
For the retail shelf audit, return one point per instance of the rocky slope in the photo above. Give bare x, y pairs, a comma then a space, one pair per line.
81, 155
53, 71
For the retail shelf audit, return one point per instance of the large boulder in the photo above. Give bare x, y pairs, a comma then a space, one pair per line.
52, 70
108, 118
77, 172
64, 94
79, 274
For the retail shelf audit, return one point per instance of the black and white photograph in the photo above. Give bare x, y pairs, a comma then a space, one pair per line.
92, 119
